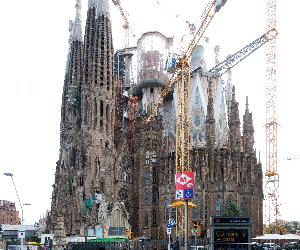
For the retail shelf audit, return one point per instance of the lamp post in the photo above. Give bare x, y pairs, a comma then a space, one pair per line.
11, 175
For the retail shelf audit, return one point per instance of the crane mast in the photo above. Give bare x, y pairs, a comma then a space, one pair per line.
240, 55
126, 25
271, 174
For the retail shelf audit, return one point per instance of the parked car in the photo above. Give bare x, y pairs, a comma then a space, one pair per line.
267, 246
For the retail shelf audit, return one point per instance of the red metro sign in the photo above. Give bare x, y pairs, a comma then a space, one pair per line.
184, 183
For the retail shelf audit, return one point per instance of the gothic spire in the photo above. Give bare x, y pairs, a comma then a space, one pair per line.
101, 6
210, 119
76, 29
247, 106
234, 123
248, 130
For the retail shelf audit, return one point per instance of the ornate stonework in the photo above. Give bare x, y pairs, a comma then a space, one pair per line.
116, 173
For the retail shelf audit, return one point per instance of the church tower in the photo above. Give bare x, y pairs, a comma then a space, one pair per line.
97, 108
85, 176
64, 190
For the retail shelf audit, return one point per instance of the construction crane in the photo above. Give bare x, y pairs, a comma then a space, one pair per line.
222, 67
181, 78
232, 60
271, 174
182, 68
126, 25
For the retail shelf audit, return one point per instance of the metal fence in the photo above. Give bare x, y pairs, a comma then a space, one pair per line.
132, 245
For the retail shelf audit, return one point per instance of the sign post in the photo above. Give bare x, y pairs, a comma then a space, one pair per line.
184, 183
170, 225
169, 231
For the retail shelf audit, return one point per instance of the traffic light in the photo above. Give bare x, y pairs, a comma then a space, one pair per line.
196, 226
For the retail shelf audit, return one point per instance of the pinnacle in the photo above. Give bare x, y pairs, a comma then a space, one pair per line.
101, 6
76, 29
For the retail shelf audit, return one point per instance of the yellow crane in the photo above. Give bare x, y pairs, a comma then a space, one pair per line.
126, 25
180, 78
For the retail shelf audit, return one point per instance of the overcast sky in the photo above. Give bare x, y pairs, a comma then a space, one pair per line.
33, 53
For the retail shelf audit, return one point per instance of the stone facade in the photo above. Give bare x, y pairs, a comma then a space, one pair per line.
116, 170
8, 213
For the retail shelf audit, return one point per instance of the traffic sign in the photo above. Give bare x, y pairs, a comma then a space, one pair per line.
169, 231
172, 222
21, 234
188, 194
184, 183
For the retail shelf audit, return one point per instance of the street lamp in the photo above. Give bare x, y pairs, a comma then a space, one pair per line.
11, 175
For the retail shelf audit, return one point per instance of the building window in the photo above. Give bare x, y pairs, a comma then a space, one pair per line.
146, 178
146, 220
107, 112
155, 197
146, 199
154, 217
101, 108
147, 161
81, 181
218, 207
153, 156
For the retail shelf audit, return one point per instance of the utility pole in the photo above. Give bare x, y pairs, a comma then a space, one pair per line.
186, 221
